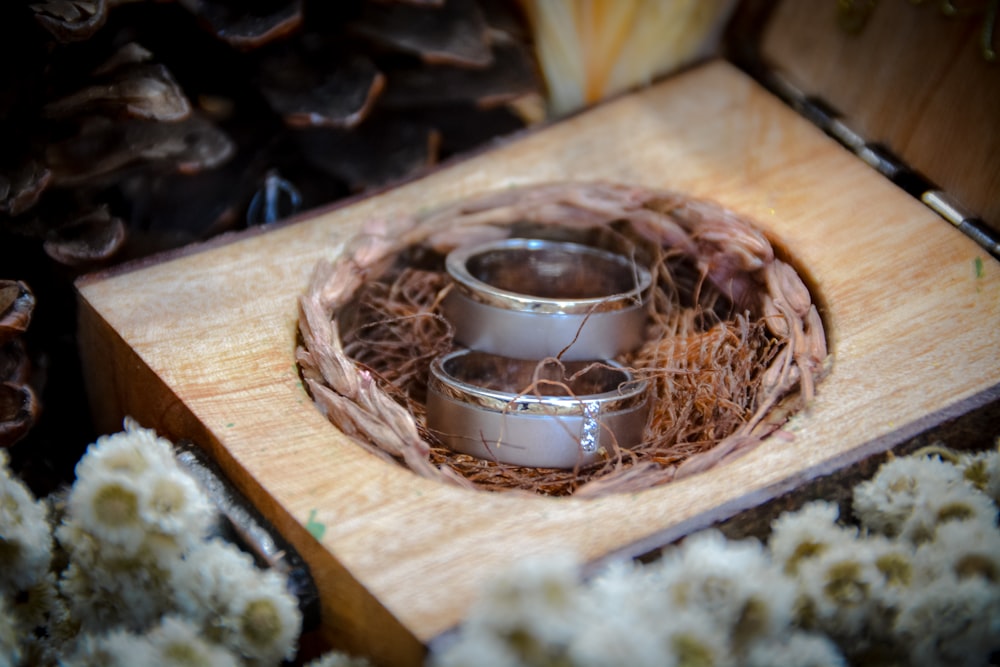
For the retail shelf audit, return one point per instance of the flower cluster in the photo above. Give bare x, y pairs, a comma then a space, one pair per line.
921, 580
26, 554
10, 645
915, 580
134, 575
26, 542
705, 602
173, 641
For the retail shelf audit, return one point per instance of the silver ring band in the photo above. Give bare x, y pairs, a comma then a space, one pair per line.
480, 404
532, 299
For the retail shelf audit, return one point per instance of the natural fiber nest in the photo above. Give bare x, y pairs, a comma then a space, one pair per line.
734, 342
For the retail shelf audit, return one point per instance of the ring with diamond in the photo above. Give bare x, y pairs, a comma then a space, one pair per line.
538, 414
534, 298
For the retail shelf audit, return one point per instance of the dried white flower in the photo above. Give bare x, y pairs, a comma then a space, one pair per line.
798, 649
106, 506
526, 615
733, 582
797, 537
622, 638
130, 594
840, 592
476, 648
982, 470
270, 622
957, 503
885, 502
896, 562
620, 613
213, 574
132, 452
637, 592
894, 559
537, 598
693, 639
951, 622
174, 509
114, 649
25, 540
176, 643
963, 550
246, 609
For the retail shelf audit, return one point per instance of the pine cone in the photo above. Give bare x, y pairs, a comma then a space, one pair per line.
19, 407
139, 126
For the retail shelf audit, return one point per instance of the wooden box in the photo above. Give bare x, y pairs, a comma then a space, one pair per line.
201, 345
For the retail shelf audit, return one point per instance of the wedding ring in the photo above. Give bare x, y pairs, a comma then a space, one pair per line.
528, 413
532, 299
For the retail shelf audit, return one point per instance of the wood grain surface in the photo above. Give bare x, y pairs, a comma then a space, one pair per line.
202, 346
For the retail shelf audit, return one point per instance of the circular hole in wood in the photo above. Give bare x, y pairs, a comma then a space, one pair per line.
734, 343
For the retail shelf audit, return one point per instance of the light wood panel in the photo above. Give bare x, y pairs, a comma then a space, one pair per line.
909, 76
202, 345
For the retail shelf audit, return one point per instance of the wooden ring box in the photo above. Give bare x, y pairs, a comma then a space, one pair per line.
200, 344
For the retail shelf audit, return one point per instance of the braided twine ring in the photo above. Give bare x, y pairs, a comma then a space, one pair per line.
734, 343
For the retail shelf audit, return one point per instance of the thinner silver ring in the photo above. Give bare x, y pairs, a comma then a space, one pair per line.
480, 404
533, 298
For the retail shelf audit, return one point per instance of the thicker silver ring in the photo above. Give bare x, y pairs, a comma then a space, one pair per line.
533, 298
479, 404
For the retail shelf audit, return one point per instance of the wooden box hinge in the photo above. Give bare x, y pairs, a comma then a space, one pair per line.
882, 160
